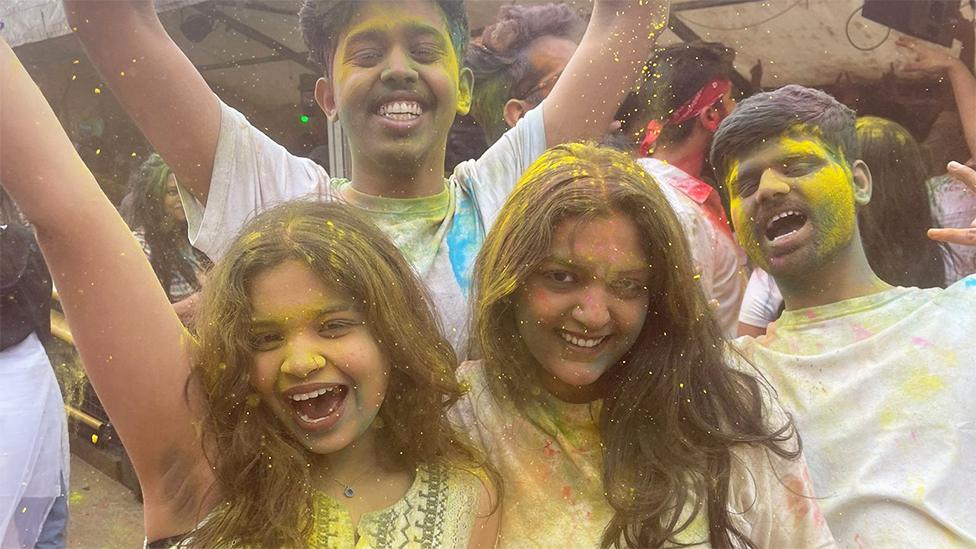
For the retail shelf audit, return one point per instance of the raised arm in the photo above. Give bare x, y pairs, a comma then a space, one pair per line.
937, 62
133, 346
617, 43
966, 236
155, 83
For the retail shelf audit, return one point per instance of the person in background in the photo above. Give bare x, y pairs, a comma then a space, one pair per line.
34, 464
392, 75
684, 97
155, 214
517, 60
893, 224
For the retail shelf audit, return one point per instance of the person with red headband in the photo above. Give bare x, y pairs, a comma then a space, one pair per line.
685, 96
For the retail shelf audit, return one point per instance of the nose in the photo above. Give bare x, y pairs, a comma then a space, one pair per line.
771, 184
399, 68
302, 360
593, 310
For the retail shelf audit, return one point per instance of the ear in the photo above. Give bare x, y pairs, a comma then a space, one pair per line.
465, 89
710, 119
862, 183
325, 97
514, 110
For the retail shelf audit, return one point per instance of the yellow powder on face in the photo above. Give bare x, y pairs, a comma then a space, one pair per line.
389, 19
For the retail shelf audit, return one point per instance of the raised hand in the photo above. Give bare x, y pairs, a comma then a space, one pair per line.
926, 59
966, 236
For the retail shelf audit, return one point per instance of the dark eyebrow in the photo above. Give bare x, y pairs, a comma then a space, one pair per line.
267, 322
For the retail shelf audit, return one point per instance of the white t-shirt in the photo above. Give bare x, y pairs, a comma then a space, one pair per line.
881, 388
762, 302
439, 235
550, 457
718, 259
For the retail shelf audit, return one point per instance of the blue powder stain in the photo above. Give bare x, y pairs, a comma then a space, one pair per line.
464, 239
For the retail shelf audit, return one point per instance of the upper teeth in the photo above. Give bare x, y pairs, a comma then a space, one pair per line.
581, 342
779, 216
401, 107
313, 394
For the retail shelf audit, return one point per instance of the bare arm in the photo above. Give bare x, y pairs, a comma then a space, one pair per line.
133, 346
939, 62
484, 533
155, 83
605, 67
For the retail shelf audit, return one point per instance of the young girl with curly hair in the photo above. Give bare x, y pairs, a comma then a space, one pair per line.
309, 409
605, 395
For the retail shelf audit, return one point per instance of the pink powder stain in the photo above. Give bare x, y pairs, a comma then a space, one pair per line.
858, 541
568, 494
861, 333
921, 342
810, 315
914, 435
548, 450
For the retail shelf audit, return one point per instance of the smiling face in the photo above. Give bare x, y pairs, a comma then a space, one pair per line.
794, 204
583, 307
316, 365
396, 84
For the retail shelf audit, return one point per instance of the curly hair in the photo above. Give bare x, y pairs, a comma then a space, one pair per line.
262, 473
323, 22
674, 408
499, 61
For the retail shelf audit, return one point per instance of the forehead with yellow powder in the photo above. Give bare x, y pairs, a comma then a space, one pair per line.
828, 192
395, 22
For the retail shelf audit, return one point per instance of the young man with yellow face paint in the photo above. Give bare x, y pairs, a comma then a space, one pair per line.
393, 80
879, 378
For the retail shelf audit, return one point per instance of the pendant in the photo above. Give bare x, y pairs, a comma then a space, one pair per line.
348, 492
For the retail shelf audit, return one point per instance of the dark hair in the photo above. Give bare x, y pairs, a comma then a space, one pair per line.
674, 408
893, 224
789, 110
498, 59
143, 209
262, 472
674, 75
323, 21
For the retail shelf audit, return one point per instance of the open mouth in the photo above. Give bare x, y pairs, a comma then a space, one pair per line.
401, 111
784, 224
582, 342
320, 406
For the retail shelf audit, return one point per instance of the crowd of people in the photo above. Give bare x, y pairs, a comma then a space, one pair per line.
533, 348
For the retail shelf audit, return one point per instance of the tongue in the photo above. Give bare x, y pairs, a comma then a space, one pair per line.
322, 406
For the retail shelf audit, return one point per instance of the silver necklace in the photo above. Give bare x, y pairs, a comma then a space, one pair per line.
347, 489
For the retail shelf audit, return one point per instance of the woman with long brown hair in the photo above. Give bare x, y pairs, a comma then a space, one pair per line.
606, 396
309, 410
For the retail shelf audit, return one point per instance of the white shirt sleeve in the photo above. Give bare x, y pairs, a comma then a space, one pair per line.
491, 178
251, 173
762, 302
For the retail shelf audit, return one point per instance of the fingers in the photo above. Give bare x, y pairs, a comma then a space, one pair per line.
963, 173
964, 237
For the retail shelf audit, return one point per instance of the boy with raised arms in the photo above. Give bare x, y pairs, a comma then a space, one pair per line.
393, 80
879, 378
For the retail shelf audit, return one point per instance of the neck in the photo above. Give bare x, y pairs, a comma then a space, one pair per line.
688, 156
353, 463
398, 178
846, 276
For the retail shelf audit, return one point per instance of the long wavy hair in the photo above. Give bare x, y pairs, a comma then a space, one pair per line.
262, 473
143, 209
673, 409
893, 225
